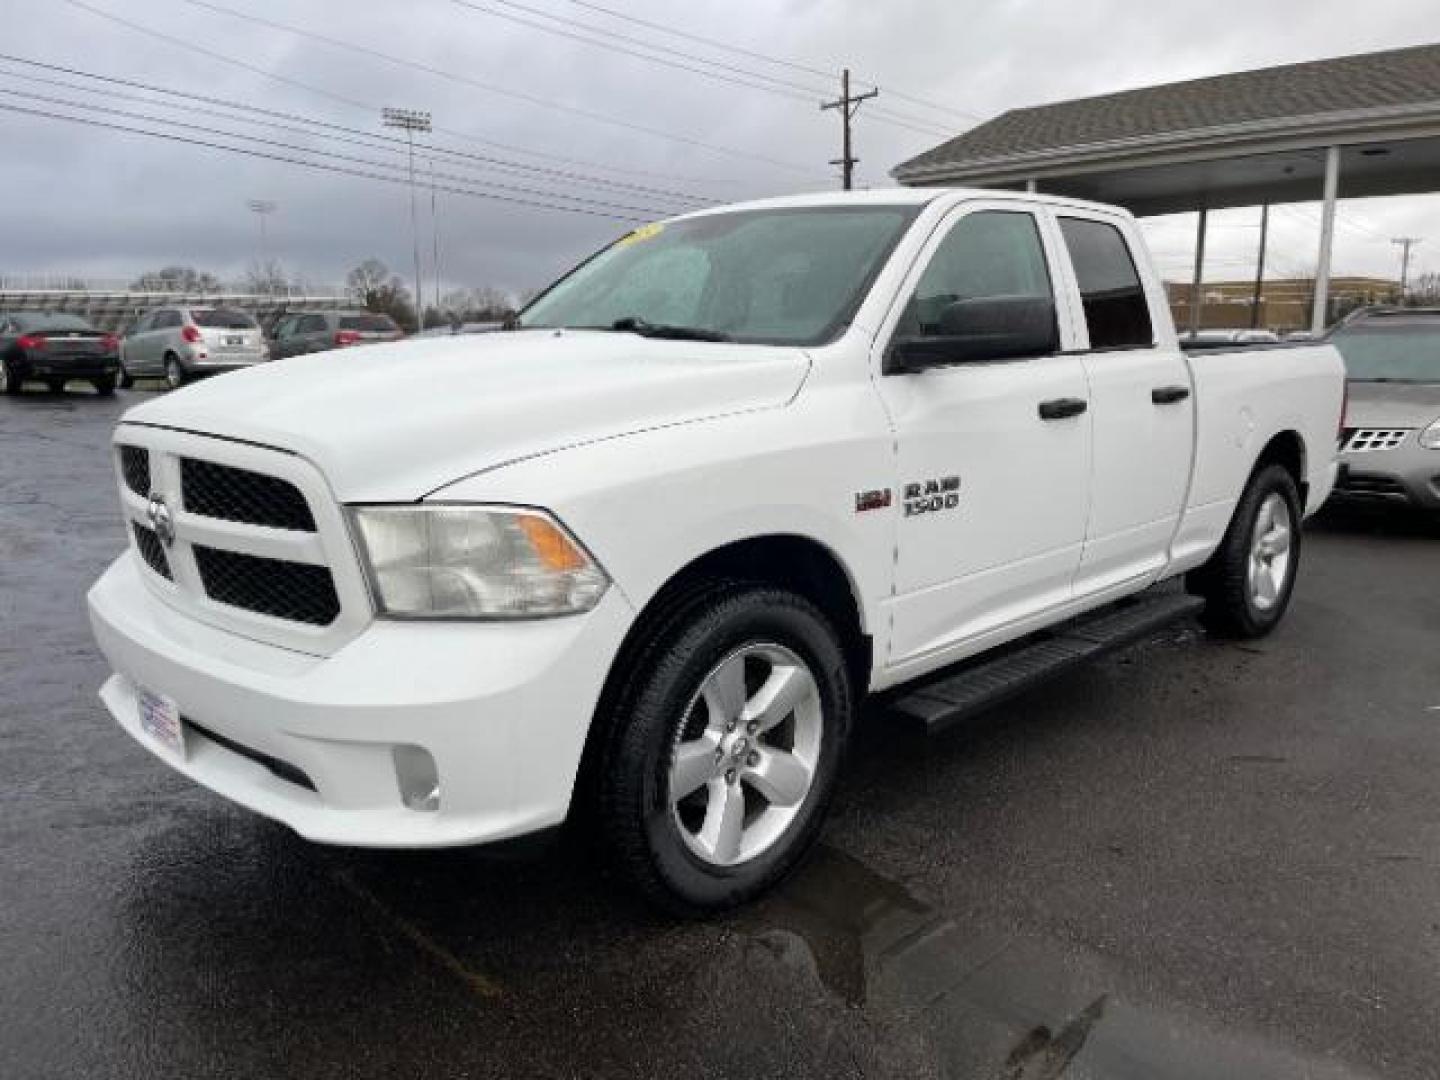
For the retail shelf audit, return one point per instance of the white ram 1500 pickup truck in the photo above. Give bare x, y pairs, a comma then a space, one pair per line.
639, 561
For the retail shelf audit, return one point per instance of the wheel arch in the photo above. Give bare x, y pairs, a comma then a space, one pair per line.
1287, 449
792, 561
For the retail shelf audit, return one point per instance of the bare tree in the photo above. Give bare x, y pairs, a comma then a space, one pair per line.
176, 278
266, 277
382, 292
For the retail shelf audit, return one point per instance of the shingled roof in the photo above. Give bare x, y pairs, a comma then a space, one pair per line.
1368, 82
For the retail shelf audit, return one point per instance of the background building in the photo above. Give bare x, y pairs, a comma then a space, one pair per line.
1285, 303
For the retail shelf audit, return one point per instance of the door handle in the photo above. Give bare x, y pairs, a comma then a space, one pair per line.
1168, 395
1062, 407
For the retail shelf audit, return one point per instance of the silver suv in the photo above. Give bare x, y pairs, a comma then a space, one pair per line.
182, 342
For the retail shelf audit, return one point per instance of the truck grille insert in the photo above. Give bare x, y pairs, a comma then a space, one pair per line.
152, 551
1360, 440
135, 467
286, 590
223, 491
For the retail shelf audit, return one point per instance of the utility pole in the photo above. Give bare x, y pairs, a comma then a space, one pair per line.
848, 105
263, 208
1255, 300
411, 121
1405, 243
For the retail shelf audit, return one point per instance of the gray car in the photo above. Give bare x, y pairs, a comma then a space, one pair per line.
318, 331
1390, 446
179, 343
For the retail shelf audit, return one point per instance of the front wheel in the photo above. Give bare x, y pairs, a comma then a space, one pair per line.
723, 750
1248, 582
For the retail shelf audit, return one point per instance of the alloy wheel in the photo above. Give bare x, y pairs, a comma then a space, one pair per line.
746, 754
1270, 545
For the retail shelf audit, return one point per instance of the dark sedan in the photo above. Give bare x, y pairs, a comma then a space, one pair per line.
53, 348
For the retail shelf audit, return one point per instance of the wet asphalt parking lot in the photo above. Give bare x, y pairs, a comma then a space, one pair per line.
1191, 860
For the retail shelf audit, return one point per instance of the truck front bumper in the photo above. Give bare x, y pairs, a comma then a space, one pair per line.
334, 746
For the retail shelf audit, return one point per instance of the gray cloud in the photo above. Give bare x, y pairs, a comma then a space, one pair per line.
79, 200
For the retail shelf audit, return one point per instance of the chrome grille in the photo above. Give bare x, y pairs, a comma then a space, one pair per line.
260, 546
284, 590
1361, 440
135, 467
231, 494
152, 551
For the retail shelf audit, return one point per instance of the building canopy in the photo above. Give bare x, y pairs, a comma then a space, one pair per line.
1351, 127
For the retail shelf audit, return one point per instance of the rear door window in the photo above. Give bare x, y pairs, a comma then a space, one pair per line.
1116, 310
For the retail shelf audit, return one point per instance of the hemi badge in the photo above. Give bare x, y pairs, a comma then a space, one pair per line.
872, 500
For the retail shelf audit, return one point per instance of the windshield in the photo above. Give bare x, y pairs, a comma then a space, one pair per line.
369, 324
223, 319
34, 321
1393, 348
782, 277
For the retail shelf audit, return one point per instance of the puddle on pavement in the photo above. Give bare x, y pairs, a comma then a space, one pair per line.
990, 1003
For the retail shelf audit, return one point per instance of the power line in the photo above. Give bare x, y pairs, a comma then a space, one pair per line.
584, 205
466, 80
321, 166
353, 136
363, 106
767, 58
727, 74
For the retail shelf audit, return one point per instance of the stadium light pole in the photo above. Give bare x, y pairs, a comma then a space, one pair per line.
263, 208
410, 121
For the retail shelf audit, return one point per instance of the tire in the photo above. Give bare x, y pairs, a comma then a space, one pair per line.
1248, 582
174, 373
126, 380
8, 383
104, 386
55, 386
678, 721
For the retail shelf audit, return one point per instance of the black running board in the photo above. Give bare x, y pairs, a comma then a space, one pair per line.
973, 686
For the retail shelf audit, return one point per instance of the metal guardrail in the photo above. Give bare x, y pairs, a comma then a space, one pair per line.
115, 309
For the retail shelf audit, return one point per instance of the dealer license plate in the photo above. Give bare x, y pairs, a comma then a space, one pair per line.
160, 719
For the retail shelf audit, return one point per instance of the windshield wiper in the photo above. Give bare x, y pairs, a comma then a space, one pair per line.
633, 324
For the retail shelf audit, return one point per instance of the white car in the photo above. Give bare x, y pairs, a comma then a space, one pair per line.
640, 560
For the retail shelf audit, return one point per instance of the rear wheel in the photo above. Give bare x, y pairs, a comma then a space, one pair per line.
9, 384
723, 750
174, 373
104, 386
126, 379
55, 386
1248, 582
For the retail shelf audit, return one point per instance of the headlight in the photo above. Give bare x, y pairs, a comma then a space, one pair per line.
1430, 437
469, 562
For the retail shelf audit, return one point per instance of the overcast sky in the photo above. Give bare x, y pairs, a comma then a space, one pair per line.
94, 202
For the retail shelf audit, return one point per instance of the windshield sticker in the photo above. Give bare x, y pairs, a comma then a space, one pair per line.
644, 232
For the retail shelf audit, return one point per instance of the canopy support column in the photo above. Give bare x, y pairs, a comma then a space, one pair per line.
1320, 315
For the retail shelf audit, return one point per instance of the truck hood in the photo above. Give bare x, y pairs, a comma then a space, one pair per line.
396, 422
1393, 405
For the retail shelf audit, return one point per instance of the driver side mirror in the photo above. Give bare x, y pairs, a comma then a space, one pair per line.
980, 330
